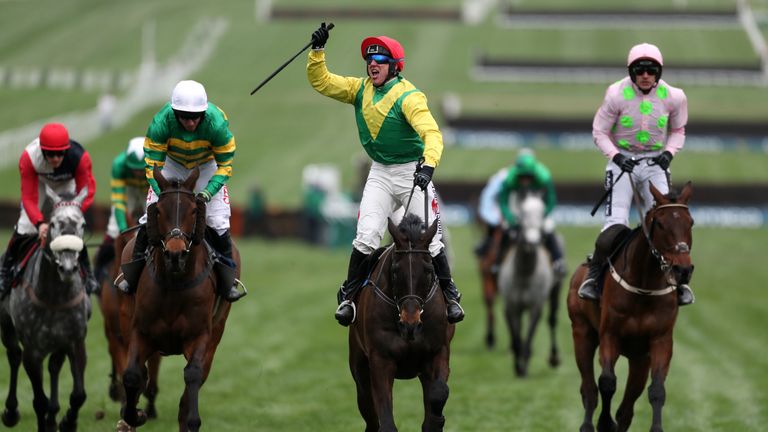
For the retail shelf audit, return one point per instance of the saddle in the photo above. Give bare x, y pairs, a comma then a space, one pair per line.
27, 247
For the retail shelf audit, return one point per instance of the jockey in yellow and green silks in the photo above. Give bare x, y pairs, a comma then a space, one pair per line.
396, 130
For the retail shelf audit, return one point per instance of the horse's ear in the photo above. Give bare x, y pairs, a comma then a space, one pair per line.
52, 195
394, 231
431, 231
190, 182
157, 173
657, 196
81, 196
685, 194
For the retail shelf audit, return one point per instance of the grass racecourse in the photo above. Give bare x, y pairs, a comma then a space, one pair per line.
282, 363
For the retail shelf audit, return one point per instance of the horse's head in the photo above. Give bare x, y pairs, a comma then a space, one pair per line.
531, 218
65, 235
176, 221
669, 225
412, 277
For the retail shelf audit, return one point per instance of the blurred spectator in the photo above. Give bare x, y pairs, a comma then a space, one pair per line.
106, 110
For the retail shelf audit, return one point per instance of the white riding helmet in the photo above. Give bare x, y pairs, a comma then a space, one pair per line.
189, 96
135, 153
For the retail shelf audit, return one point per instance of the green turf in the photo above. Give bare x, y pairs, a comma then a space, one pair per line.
282, 363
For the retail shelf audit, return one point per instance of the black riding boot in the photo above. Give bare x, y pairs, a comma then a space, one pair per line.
508, 238
9, 260
452, 295
89, 280
104, 257
226, 282
604, 245
347, 312
132, 270
556, 254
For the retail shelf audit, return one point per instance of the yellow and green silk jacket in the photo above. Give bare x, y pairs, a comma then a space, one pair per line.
393, 121
211, 140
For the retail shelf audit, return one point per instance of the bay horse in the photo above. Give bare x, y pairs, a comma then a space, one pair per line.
401, 331
176, 309
637, 312
47, 315
525, 280
111, 302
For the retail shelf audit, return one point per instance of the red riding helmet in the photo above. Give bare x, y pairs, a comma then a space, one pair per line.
396, 50
54, 137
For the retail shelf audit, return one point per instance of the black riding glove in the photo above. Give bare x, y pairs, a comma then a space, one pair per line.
663, 160
423, 176
626, 164
320, 37
203, 197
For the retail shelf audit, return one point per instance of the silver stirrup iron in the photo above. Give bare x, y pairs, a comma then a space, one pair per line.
354, 309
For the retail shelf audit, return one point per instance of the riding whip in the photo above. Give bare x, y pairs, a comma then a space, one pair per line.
605, 195
329, 27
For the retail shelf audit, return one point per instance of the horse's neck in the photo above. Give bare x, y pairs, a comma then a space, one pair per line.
197, 252
43, 277
636, 263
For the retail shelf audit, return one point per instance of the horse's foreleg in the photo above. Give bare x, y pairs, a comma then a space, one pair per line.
13, 351
434, 385
554, 306
533, 323
382, 380
609, 353
514, 325
77, 361
33, 365
55, 362
638, 374
489, 296
134, 379
153, 367
661, 356
361, 373
585, 344
194, 375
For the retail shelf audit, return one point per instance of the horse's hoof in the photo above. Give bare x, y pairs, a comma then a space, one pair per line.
10, 418
554, 360
151, 411
136, 420
66, 426
114, 392
122, 426
490, 341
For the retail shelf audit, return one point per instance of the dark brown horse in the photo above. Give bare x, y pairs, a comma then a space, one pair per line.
111, 302
176, 308
401, 331
637, 312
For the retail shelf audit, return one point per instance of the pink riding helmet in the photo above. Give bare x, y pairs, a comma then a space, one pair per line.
645, 51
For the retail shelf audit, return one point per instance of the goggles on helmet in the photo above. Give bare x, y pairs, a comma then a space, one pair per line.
646, 66
379, 58
186, 115
54, 153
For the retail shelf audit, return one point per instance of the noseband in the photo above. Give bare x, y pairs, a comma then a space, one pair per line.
176, 232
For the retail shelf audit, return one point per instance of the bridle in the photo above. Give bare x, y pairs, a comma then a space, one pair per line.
681, 248
176, 232
397, 302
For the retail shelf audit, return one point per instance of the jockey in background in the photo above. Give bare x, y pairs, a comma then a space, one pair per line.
187, 133
56, 161
639, 127
396, 129
129, 195
529, 175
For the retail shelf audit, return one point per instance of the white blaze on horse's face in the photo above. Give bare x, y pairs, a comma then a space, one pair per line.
532, 218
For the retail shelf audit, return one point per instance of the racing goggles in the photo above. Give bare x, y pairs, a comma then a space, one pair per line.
188, 115
54, 153
651, 68
379, 58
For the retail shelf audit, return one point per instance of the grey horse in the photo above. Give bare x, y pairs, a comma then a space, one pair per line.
526, 280
47, 314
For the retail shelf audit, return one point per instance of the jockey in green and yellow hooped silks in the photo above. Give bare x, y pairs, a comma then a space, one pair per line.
187, 133
639, 127
396, 129
128, 196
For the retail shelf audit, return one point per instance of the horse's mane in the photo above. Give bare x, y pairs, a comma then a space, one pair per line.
412, 226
